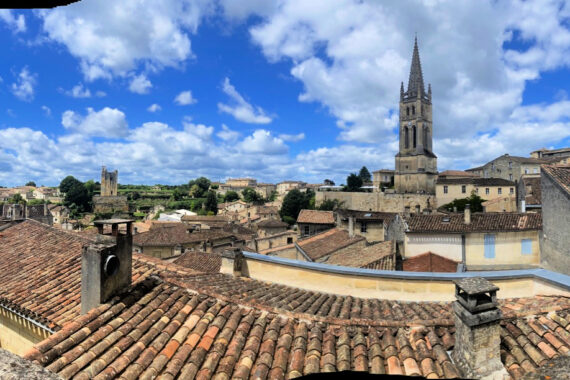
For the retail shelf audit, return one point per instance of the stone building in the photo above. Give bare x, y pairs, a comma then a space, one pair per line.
312, 222
416, 164
447, 190
109, 202
555, 238
382, 178
562, 153
529, 193
509, 167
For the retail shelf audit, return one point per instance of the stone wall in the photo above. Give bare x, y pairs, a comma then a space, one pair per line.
377, 201
13, 367
110, 205
555, 238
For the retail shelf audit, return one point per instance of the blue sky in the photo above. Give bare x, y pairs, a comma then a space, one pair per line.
275, 90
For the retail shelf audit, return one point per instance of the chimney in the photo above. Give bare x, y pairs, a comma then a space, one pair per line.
523, 206
477, 329
106, 266
467, 214
351, 226
232, 262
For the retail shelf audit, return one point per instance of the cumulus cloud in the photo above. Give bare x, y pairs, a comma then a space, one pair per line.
16, 23
140, 84
102, 36
292, 138
262, 141
240, 108
154, 108
47, 111
185, 98
79, 91
108, 122
24, 87
227, 134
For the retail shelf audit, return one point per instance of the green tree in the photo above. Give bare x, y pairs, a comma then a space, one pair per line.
211, 204
67, 183
91, 187
16, 198
474, 201
353, 182
231, 196
293, 203
178, 194
195, 191
250, 195
330, 205
31, 183
77, 195
364, 175
203, 184
273, 196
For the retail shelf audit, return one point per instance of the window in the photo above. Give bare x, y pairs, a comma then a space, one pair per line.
510, 177
417, 209
414, 135
407, 111
289, 240
500, 190
535, 170
425, 140
510, 165
526, 246
489, 246
406, 138
492, 166
463, 189
413, 110
445, 188
487, 190
363, 227
307, 230
526, 171
512, 190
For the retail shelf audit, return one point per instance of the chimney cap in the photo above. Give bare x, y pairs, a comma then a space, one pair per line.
475, 285
103, 222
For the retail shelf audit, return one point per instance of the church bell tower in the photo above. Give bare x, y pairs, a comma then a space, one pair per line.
416, 165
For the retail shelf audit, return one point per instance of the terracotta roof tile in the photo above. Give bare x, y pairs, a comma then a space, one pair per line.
175, 234
429, 262
326, 243
560, 174
376, 256
201, 261
316, 217
480, 222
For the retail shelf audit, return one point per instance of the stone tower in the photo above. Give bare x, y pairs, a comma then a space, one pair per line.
109, 181
416, 165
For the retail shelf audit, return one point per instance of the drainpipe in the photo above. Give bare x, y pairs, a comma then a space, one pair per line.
463, 258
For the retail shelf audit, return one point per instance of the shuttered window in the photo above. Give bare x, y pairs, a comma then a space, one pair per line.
526, 246
489, 246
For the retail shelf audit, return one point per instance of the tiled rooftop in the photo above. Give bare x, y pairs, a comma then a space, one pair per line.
560, 174
175, 234
271, 223
41, 272
377, 256
429, 262
367, 215
315, 217
200, 261
480, 222
534, 196
326, 243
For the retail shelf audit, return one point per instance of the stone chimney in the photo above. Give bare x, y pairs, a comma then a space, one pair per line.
106, 266
232, 262
477, 330
351, 226
467, 214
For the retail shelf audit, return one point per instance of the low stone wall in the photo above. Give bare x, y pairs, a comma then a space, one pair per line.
383, 202
13, 367
406, 286
109, 205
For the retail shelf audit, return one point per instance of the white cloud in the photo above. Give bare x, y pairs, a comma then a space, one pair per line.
261, 141
241, 109
17, 24
47, 110
140, 85
292, 138
78, 91
108, 122
154, 108
114, 39
24, 87
227, 134
185, 98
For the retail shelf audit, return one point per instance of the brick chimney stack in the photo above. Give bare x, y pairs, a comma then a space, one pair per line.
477, 330
106, 266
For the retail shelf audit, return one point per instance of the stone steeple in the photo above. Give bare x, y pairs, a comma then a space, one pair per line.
416, 80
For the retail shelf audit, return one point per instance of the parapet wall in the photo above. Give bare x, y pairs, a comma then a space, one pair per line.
108, 205
406, 286
377, 201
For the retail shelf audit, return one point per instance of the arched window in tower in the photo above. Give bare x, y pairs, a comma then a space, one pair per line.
406, 138
414, 136
407, 111
413, 110
425, 139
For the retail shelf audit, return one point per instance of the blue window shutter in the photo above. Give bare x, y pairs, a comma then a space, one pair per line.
489, 246
526, 246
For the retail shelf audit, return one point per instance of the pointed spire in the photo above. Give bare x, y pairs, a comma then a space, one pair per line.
416, 80
402, 91
429, 92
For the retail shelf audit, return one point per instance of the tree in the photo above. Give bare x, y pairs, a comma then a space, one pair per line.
16, 198
77, 195
330, 205
231, 196
353, 182
195, 191
211, 204
273, 196
203, 184
31, 183
177, 194
293, 203
364, 175
91, 187
474, 201
67, 183
250, 195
